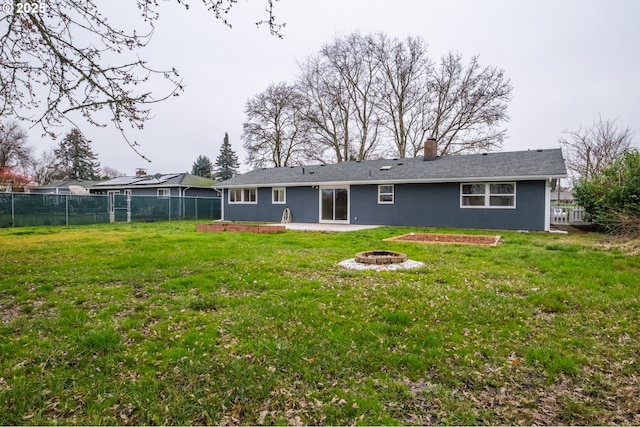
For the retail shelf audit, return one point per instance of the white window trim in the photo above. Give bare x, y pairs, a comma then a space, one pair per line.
487, 195
393, 194
284, 195
163, 193
242, 193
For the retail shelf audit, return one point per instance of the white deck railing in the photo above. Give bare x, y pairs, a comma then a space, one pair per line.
567, 215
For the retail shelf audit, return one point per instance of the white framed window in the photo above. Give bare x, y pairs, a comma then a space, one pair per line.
127, 193
164, 193
496, 195
243, 195
386, 194
278, 195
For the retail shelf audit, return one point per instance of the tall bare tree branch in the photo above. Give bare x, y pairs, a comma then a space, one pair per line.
369, 95
469, 107
66, 57
356, 67
405, 69
590, 149
14, 151
274, 132
327, 111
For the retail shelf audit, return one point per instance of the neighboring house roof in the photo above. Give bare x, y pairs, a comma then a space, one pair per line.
157, 180
64, 185
518, 165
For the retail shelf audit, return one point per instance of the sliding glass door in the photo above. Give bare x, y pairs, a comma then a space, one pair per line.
334, 204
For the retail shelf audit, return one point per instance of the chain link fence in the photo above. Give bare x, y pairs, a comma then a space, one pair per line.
23, 209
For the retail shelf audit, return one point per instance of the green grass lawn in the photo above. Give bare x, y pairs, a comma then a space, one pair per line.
157, 324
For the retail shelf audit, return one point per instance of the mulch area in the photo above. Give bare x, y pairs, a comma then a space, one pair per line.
466, 239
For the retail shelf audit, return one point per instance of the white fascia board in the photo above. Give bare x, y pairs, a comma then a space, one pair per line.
454, 180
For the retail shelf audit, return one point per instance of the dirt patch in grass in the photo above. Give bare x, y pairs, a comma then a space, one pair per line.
465, 239
629, 247
9, 314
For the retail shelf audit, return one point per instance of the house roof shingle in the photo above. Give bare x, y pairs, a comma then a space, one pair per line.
517, 165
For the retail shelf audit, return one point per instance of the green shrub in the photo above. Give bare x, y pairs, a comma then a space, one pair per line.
612, 198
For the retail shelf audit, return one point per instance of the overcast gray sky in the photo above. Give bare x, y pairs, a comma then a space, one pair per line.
569, 61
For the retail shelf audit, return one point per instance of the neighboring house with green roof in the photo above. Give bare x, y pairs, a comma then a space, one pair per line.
506, 190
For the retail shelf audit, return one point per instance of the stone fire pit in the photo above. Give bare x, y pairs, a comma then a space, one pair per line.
380, 260
380, 257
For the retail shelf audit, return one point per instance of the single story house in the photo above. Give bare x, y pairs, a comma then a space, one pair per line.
158, 185
505, 190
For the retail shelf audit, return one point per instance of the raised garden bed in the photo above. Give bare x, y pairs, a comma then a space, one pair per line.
235, 227
465, 239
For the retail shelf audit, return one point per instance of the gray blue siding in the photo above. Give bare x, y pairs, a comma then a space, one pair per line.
302, 201
423, 205
438, 205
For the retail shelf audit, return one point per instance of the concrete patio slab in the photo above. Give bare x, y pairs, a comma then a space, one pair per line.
336, 228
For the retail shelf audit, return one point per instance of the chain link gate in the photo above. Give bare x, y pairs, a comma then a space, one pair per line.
119, 207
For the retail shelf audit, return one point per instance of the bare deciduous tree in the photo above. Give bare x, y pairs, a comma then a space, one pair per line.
402, 98
273, 134
44, 168
469, 105
109, 172
66, 56
339, 84
588, 150
14, 151
327, 111
353, 61
358, 86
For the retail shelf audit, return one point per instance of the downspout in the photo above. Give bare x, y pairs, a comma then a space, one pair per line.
547, 205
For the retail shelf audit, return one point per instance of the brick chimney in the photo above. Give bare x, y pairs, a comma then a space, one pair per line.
430, 149
141, 172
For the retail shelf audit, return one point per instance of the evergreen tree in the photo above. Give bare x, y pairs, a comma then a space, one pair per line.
75, 159
227, 165
202, 167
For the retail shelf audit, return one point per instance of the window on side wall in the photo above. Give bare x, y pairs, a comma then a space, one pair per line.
249, 195
278, 196
163, 193
385, 194
495, 195
243, 195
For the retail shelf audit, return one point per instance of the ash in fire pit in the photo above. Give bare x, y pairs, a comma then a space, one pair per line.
380, 257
